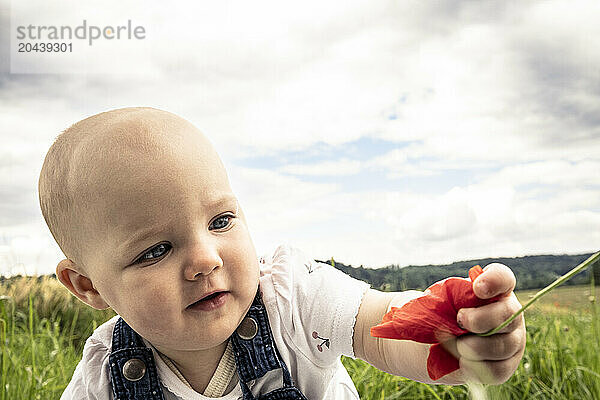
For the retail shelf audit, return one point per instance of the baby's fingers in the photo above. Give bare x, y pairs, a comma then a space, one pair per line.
490, 360
487, 317
490, 372
495, 280
496, 347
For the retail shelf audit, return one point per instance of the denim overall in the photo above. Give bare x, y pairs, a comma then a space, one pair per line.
133, 370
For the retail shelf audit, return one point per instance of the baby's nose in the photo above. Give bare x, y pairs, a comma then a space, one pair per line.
202, 261
195, 271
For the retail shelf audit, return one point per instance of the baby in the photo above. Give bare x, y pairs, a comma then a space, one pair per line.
140, 204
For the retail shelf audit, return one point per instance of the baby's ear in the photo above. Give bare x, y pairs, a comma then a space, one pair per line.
80, 285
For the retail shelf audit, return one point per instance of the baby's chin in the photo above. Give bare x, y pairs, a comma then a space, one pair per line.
194, 342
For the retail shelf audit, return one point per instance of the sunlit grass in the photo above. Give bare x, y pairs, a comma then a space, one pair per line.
42, 332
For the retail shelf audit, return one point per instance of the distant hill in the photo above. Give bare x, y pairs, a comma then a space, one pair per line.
531, 271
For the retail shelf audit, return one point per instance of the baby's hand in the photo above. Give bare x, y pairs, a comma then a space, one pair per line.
490, 359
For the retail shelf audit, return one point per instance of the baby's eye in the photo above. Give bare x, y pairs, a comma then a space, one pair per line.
222, 221
155, 252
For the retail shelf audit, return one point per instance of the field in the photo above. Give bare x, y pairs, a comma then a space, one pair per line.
43, 328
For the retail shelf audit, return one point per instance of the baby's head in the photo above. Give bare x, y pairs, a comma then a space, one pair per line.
140, 204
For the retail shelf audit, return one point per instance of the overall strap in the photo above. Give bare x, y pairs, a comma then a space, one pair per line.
256, 352
132, 367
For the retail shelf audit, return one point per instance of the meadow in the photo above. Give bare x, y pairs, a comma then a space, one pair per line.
43, 329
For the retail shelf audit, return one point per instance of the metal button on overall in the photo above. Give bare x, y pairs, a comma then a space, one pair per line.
134, 369
248, 328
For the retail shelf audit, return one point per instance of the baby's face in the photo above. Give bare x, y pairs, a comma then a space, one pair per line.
164, 232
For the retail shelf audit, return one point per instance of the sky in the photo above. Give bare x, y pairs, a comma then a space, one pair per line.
377, 133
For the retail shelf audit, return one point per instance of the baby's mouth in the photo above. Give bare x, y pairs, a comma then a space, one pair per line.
212, 298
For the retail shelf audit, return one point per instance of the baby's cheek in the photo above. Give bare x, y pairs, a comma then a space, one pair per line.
161, 305
154, 304
154, 316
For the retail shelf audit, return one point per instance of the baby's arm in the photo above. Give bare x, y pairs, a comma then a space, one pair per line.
491, 359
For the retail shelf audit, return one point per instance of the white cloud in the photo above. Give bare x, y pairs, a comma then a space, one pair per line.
277, 204
552, 172
448, 216
497, 217
325, 168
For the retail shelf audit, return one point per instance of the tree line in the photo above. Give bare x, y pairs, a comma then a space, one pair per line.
532, 272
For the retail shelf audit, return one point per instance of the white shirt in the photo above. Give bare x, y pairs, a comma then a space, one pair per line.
310, 305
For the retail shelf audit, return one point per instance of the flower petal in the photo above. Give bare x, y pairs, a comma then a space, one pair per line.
474, 272
440, 362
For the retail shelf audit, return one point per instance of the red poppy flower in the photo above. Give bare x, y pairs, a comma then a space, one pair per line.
431, 318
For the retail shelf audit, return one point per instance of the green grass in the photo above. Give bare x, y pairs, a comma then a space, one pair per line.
43, 329
42, 332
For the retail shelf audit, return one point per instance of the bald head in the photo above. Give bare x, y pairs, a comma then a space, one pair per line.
108, 150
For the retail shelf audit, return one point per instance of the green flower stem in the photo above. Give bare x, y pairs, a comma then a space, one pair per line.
594, 257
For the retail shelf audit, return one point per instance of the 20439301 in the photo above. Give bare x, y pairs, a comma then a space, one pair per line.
45, 47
